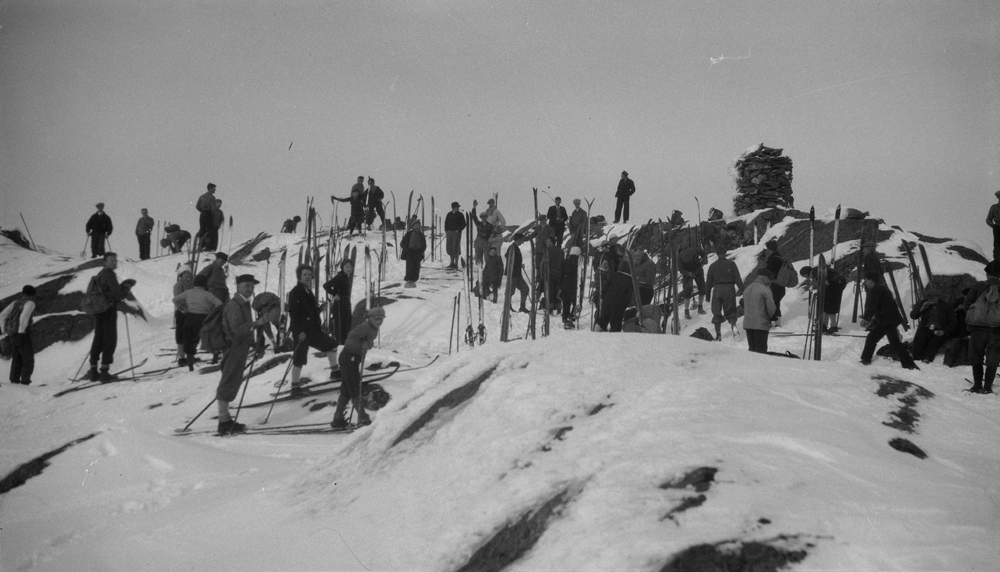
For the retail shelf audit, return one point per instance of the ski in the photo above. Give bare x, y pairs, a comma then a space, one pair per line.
836, 237
295, 429
97, 383
899, 300
330, 387
927, 264
470, 335
857, 278
818, 322
365, 377
508, 287
915, 280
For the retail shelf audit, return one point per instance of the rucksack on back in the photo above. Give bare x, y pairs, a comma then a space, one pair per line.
787, 276
213, 335
94, 301
985, 311
12, 323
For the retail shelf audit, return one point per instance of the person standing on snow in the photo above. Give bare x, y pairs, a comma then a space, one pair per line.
106, 323
375, 196
557, 218
218, 217
18, 331
516, 273
492, 274
197, 303
577, 224
691, 262
454, 224
725, 284
359, 341
238, 325
774, 262
99, 228
993, 221
339, 287
984, 339
758, 303
626, 188
413, 246
206, 217
183, 284
616, 295
493, 215
357, 200
881, 318
306, 325
144, 233
570, 271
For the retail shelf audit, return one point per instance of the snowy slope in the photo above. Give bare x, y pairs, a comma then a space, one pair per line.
598, 426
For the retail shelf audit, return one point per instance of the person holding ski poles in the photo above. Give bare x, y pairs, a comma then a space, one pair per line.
339, 288
359, 341
238, 325
306, 325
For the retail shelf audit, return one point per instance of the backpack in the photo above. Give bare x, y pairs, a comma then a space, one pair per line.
787, 276
703, 334
14, 318
94, 301
212, 334
985, 311
171, 228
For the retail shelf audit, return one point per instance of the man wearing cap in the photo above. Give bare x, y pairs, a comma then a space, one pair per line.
99, 227
144, 233
359, 341
238, 325
215, 274
758, 305
454, 224
306, 325
993, 221
375, 196
206, 215
102, 348
626, 188
881, 317
22, 362
577, 224
493, 215
723, 280
557, 218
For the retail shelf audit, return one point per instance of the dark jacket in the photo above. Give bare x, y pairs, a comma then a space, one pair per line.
570, 270
617, 290
375, 196
626, 188
557, 216
493, 269
303, 311
939, 316
99, 223
216, 281
977, 290
880, 307
454, 221
145, 226
723, 271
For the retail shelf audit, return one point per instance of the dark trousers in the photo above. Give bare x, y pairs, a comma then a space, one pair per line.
560, 230
191, 331
521, 286
314, 339
373, 210
645, 294
234, 360
612, 315
206, 224
23, 361
778, 292
757, 340
569, 302
412, 267
105, 338
144, 241
996, 242
926, 344
891, 334
97, 244
621, 207
179, 327
350, 387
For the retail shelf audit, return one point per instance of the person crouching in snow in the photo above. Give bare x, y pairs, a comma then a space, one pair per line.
352, 356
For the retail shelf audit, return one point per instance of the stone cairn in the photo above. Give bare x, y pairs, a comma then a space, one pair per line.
763, 180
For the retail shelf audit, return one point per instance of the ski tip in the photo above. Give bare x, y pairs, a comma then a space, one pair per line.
182, 430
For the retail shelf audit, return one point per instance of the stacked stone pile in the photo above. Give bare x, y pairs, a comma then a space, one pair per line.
763, 180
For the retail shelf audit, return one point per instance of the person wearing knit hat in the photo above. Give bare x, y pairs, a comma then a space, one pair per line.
626, 188
882, 318
758, 304
105, 340
359, 341
99, 228
15, 324
993, 221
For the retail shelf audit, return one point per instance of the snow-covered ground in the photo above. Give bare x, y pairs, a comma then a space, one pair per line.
606, 425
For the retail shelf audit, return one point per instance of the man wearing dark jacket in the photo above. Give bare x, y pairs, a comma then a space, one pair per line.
375, 196
557, 218
99, 228
306, 325
454, 224
413, 244
935, 324
144, 232
774, 262
626, 188
984, 339
577, 225
881, 317
106, 323
492, 274
206, 216
516, 276
725, 283
570, 272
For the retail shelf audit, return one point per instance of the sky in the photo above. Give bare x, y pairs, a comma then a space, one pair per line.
613, 422
888, 107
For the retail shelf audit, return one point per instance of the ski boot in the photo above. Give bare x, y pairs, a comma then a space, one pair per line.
687, 314
231, 427
701, 311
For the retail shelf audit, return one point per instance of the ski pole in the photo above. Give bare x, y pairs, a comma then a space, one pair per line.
128, 336
191, 422
246, 384
451, 328
280, 385
79, 369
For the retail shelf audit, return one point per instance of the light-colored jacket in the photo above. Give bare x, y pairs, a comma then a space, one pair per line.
758, 306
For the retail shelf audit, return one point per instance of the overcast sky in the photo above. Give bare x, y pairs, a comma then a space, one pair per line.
889, 107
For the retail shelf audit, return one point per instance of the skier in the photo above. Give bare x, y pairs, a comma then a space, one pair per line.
881, 318
691, 263
570, 271
725, 283
936, 323
492, 275
143, 233
773, 262
357, 200
517, 274
616, 294
106, 323
375, 196
339, 287
183, 284
454, 224
626, 188
758, 303
577, 224
984, 340
238, 325
291, 224
206, 216
99, 228
412, 250
361, 339
15, 323
993, 221
305, 325
557, 218
197, 303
